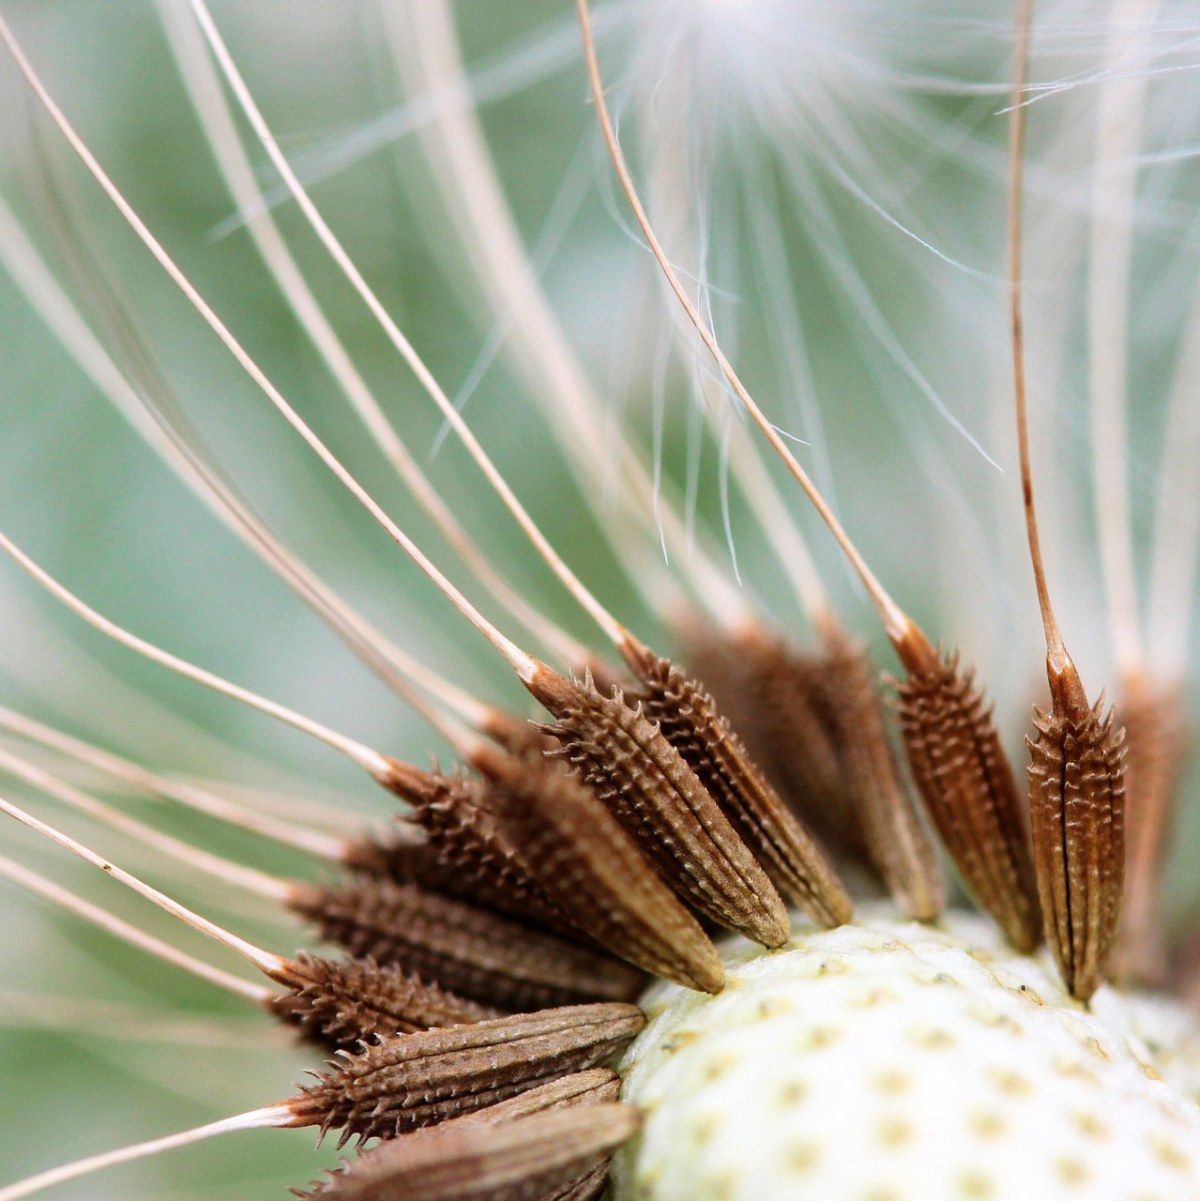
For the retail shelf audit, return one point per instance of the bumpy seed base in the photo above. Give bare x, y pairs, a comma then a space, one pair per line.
889, 1061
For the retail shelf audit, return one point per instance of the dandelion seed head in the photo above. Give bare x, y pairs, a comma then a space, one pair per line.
915, 1061
824, 176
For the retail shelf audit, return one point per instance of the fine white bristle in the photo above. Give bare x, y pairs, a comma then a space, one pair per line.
256, 1119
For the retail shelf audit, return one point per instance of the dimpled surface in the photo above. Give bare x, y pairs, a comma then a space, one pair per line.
890, 1061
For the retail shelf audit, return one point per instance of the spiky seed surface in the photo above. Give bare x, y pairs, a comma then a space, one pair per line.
596, 1086
344, 1001
1077, 807
688, 718
766, 689
889, 1059
465, 855
464, 948
534, 1158
414, 1080
898, 844
964, 776
596, 873
1156, 742
593, 1087
624, 758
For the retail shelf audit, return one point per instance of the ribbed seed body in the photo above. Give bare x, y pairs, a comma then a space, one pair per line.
465, 854
1077, 798
591, 1087
596, 872
767, 691
343, 1002
624, 758
465, 949
1156, 741
550, 1156
688, 719
414, 1080
965, 778
898, 843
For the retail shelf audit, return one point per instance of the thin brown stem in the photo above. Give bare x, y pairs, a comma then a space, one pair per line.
898, 624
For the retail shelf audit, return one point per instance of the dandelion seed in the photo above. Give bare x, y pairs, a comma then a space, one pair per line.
552, 865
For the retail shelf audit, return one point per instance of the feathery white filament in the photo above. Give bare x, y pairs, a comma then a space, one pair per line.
366, 758
261, 959
256, 1119
217, 122
313, 842
521, 662
1114, 181
611, 627
113, 925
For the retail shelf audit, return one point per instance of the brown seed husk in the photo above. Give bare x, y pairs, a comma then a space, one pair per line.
465, 855
897, 841
595, 871
342, 1002
587, 1187
645, 783
463, 948
542, 1157
1156, 741
414, 1080
688, 719
963, 774
769, 692
593, 1087
1077, 795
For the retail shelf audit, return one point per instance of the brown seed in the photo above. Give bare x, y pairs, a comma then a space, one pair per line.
1156, 740
897, 840
465, 855
768, 692
1077, 797
593, 1087
596, 872
688, 719
542, 1157
414, 1080
343, 1002
463, 948
964, 776
587, 1187
624, 758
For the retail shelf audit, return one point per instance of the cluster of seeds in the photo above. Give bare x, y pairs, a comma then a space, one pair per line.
498, 941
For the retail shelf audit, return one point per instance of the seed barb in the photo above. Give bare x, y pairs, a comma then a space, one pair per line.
415, 1080
592, 1087
1076, 776
903, 632
1076, 793
767, 690
462, 947
341, 1002
624, 758
967, 783
1156, 742
542, 1157
687, 716
897, 841
596, 872
333, 1002
466, 854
